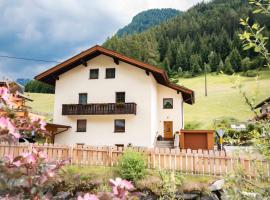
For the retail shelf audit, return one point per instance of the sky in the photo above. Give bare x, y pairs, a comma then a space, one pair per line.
55, 30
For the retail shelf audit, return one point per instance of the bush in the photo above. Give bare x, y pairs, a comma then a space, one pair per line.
187, 74
250, 73
132, 165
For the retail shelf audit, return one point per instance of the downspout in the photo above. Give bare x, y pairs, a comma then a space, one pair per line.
182, 114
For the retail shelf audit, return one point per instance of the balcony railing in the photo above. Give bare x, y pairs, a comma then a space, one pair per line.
99, 109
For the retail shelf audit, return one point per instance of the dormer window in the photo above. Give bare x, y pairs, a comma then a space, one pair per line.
93, 74
110, 73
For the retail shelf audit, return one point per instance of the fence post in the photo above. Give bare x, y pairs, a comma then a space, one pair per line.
70, 152
110, 157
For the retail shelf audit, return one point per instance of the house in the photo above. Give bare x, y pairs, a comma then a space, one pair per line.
264, 109
18, 102
18, 99
110, 99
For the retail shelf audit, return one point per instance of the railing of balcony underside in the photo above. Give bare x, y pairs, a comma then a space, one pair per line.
99, 109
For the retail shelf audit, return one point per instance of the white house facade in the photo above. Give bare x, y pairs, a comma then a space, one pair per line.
109, 99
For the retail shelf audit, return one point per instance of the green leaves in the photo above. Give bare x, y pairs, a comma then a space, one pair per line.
132, 165
257, 11
253, 38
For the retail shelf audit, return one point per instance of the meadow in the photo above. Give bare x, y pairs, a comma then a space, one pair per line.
223, 99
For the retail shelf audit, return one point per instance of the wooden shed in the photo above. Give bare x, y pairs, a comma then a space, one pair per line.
197, 139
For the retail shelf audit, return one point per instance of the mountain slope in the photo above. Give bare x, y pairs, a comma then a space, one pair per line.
147, 19
205, 34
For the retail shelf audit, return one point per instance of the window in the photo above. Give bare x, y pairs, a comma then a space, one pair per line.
93, 74
83, 98
119, 125
120, 97
81, 125
167, 103
110, 73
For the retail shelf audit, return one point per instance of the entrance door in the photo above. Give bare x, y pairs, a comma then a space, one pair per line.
168, 129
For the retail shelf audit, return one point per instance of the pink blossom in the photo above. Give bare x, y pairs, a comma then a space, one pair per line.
8, 158
88, 196
24, 154
35, 119
43, 125
50, 173
4, 94
17, 163
30, 159
42, 155
6, 124
34, 150
16, 135
128, 185
118, 182
120, 187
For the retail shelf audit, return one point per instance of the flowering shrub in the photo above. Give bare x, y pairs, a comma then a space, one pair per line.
120, 191
29, 175
12, 126
121, 187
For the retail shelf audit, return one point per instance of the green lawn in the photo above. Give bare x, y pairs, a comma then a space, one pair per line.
223, 99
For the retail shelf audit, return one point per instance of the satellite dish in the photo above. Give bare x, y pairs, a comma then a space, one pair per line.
220, 132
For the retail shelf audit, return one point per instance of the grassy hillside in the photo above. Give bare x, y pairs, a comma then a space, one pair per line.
223, 99
42, 102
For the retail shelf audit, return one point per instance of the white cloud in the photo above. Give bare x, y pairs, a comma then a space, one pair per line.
58, 28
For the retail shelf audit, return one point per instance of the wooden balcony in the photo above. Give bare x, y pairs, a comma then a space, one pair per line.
99, 109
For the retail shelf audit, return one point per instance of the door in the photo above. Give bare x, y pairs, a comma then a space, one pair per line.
195, 141
168, 129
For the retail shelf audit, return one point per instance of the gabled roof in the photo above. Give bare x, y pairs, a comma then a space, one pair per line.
51, 75
263, 102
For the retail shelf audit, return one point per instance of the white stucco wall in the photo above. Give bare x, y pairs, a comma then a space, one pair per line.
174, 114
140, 129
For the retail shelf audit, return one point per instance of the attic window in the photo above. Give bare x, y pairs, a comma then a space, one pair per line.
110, 73
93, 74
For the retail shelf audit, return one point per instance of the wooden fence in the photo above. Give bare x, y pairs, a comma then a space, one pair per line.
206, 162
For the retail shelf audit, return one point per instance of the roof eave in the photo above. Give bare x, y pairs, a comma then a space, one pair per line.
51, 75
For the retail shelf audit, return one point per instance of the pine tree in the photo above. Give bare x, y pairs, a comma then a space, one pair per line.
211, 27
220, 67
228, 66
195, 62
245, 64
213, 60
235, 59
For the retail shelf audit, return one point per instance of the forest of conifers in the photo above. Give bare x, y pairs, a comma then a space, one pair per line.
203, 38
